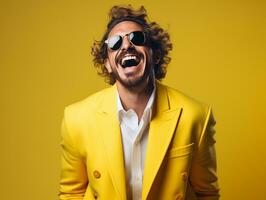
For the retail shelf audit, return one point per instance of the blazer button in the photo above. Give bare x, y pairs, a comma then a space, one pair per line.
96, 174
184, 176
95, 195
179, 197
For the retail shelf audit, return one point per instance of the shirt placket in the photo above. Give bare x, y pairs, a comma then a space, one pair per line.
136, 169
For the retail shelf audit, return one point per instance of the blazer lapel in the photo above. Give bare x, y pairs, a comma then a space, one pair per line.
109, 131
162, 128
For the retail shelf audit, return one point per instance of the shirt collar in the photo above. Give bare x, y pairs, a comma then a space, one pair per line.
148, 108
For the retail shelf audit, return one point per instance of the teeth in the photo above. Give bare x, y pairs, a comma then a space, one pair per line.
128, 58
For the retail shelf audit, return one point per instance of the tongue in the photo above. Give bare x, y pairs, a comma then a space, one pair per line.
130, 63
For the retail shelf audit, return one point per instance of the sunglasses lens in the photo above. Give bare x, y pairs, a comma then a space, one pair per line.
115, 42
137, 38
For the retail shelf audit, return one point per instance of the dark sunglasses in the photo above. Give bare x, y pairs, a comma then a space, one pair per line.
137, 38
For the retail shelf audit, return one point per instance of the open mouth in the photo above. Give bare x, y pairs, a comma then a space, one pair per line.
130, 60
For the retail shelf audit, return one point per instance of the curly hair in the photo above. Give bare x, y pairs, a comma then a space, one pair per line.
159, 41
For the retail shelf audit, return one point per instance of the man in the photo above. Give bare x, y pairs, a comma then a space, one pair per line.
137, 139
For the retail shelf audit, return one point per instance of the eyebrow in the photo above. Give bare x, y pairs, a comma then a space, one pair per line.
119, 33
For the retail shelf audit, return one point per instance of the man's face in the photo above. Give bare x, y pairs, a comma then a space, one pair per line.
136, 72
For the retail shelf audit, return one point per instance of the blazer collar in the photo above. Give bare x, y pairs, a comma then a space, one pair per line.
162, 127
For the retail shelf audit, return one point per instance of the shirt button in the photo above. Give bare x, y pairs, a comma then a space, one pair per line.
184, 176
95, 195
96, 174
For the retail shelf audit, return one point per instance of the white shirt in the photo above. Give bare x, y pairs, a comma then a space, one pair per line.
135, 137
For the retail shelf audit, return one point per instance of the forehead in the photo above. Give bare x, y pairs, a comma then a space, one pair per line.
125, 27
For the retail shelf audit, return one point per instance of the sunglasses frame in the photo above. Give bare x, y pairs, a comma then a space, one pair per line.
122, 37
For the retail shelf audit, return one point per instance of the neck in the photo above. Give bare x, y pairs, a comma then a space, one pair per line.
137, 98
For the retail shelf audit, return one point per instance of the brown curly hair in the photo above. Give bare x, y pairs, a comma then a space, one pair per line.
159, 40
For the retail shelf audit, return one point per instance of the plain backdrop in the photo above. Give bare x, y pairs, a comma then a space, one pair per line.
45, 64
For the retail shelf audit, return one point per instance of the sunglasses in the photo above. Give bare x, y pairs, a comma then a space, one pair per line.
137, 38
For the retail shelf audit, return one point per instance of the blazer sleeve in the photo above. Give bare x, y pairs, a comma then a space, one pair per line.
203, 177
73, 179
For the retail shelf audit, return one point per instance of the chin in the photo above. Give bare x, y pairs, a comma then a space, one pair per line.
134, 82
133, 79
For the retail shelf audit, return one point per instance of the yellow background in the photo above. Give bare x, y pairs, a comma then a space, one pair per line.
45, 63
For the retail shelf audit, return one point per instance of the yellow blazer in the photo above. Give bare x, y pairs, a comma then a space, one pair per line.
180, 158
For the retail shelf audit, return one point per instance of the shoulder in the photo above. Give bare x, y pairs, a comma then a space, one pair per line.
86, 108
196, 115
191, 107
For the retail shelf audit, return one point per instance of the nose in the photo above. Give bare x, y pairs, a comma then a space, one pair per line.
126, 43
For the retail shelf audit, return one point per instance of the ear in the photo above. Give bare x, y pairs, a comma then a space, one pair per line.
107, 65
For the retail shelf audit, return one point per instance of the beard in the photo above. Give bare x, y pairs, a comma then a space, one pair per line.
131, 84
